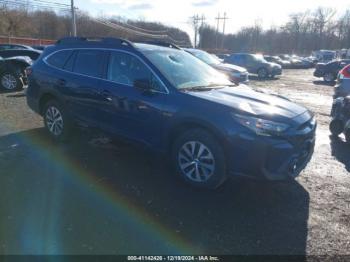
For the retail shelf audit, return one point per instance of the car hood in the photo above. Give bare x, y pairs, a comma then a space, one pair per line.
25, 59
230, 68
245, 100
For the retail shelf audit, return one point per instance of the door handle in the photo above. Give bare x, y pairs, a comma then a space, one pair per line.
107, 95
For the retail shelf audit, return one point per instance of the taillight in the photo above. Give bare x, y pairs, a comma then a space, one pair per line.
28, 71
345, 72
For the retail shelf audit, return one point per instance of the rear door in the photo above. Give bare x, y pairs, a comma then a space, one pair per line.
82, 85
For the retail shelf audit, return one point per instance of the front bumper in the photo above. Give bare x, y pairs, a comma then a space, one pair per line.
240, 78
276, 71
271, 158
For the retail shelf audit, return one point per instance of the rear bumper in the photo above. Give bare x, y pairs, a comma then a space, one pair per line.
269, 158
342, 89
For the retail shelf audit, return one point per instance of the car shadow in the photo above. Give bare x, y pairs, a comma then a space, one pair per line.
256, 78
341, 151
323, 83
91, 196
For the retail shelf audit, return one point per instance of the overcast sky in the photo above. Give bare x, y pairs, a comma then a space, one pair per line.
177, 12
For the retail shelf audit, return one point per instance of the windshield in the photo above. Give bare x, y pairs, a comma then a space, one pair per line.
205, 57
183, 70
259, 58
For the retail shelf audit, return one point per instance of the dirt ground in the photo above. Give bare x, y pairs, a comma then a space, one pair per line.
91, 196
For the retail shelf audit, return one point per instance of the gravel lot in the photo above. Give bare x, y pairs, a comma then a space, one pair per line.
92, 196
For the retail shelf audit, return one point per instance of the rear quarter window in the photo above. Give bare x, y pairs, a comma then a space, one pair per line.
59, 59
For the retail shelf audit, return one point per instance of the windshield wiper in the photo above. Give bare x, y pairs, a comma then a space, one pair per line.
206, 87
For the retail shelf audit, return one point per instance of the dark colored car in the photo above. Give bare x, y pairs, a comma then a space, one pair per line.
235, 73
330, 70
222, 56
14, 46
278, 60
342, 88
39, 47
173, 103
12, 72
340, 122
255, 64
31, 53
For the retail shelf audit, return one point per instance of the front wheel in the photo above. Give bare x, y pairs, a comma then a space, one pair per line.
199, 159
10, 81
262, 73
56, 121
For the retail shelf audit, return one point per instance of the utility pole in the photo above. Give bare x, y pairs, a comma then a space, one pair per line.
74, 24
223, 30
195, 27
217, 30
202, 24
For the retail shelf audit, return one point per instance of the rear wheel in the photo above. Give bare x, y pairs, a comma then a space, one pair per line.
199, 159
329, 77
56, 121
10, 81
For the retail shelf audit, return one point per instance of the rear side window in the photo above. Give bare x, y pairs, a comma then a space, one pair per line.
89, 62
59, 59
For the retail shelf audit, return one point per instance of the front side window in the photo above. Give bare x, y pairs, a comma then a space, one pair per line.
126, 69
89, 62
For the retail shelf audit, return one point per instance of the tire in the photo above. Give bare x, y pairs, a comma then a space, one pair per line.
10, 81
205, 166
56, 121
262, 73
329, 77
336, 127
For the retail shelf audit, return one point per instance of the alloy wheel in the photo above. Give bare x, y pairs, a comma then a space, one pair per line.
54, 120
8, 81
196, 161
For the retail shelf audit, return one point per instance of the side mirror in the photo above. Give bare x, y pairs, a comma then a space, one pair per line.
142, 84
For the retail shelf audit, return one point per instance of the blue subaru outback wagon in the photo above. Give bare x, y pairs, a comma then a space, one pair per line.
173, 103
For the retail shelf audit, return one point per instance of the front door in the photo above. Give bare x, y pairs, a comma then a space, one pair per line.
130, 111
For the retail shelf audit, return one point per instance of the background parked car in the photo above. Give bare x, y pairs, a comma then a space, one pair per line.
39, 47
235, 73
33, 54
255, 64
12, 72
14, 46
222, 56
342, 87
278, 60
330, 70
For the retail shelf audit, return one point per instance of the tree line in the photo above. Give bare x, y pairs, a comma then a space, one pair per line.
49, 24
304, 32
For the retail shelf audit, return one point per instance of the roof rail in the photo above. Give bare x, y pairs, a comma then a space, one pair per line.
104, 40
160, 43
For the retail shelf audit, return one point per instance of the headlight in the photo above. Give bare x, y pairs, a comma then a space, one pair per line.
236, 74
261, 126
